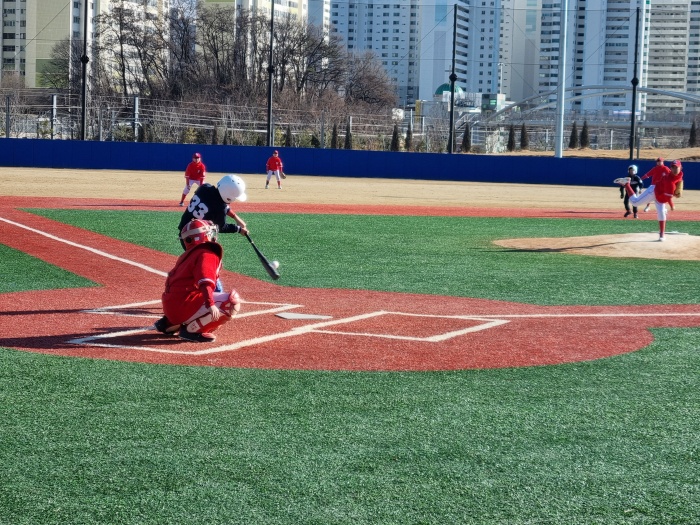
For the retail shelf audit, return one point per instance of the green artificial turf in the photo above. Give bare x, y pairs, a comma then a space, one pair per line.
611, 441
608, 441
22, 272
431, 255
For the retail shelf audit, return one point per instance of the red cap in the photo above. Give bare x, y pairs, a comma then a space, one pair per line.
276, 152
676, 163
196, 156
659, 159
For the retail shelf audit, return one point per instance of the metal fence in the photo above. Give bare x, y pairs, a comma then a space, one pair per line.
40, 114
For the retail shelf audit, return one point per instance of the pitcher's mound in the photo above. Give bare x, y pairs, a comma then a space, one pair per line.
677, 246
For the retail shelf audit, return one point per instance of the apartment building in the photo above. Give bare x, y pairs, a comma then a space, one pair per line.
30, 30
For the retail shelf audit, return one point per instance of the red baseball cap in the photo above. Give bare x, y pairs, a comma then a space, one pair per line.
196, 156
676, 163
659, 159
276, 152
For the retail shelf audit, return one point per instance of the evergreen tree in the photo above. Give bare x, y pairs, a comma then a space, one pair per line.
693, 140
466, 139
215, 135
288, 137
348, 136
585, 141
315, 142
511, 138
395, 139
524, 139
408, 144
573, 139
334, 137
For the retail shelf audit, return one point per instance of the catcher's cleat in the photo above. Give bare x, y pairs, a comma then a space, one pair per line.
164, 327
622, 181
196, 336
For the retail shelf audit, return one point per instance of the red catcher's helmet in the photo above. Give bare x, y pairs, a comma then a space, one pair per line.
198, 232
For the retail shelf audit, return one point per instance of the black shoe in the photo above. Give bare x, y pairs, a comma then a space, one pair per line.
165, 327
636, 216
196, 337
628, 213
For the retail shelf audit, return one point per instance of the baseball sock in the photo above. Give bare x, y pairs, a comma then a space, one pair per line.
662, 228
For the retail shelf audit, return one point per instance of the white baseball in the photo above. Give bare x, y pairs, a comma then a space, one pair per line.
275, 264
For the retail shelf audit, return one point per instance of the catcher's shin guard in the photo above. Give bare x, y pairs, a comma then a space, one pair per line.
229, 307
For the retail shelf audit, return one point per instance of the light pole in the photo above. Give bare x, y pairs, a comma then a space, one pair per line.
270, 75
500, 76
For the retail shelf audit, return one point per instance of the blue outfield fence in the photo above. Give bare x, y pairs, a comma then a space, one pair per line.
77, 154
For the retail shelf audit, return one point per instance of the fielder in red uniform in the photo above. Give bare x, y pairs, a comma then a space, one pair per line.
274, 167
657, 171
195, 173
190, 303
663, 186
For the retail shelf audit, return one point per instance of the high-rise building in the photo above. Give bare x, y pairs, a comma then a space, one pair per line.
31, 29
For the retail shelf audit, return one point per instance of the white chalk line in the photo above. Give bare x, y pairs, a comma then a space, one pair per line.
492, 320
487, 322
87, 248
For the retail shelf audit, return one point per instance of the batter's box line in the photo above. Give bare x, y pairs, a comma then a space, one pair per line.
490, 322
296, 331
115, 309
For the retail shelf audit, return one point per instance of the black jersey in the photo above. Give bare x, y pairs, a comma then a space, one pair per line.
207, 204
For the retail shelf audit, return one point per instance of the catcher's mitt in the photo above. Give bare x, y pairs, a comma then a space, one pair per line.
283, 175
679, 190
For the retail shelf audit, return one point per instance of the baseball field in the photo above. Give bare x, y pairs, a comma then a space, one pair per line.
433, 353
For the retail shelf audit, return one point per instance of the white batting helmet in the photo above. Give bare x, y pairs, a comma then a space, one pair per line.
632, 167
232, 188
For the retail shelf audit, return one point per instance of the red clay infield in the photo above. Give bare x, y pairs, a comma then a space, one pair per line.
348, 330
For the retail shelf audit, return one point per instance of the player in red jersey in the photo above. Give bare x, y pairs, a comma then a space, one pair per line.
274, 167
195, 173
663, 186
191, 307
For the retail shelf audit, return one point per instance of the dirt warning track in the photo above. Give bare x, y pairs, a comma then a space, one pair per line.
292, 328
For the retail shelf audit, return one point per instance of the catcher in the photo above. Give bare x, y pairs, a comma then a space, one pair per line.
191, 306
664, 186
274, 167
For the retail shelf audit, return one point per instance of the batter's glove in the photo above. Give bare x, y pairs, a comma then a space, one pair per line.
679, 190
283, 175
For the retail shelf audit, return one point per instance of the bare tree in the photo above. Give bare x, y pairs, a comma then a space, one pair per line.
64, 69
369, 82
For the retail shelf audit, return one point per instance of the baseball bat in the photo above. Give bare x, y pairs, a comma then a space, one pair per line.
271, 270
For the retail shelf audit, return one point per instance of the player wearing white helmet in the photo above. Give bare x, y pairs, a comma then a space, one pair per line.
212, 203
637, 185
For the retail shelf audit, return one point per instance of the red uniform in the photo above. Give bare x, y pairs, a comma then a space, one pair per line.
196, 171
190, 284
665, 184
274, 163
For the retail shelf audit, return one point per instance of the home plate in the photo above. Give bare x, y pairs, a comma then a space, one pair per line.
292, 315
